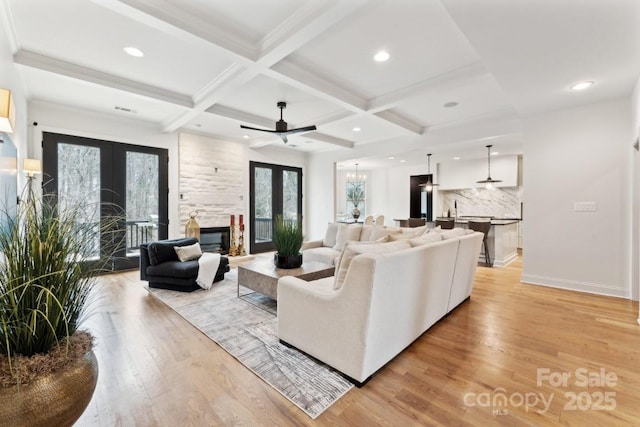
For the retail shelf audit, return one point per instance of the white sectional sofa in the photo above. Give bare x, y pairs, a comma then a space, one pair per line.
383, 297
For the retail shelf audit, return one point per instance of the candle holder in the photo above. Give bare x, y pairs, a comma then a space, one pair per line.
240, 249
233, 249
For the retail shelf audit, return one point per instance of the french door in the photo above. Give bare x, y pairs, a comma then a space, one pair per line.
274, 190
109, 178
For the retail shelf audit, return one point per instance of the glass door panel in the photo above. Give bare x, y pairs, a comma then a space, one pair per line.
263, 202
290, 193
79, 184
142, 204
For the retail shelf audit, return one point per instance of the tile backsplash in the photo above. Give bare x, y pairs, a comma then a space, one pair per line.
501, 202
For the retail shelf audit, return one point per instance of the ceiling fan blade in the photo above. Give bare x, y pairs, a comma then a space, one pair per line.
298, 130
252, 128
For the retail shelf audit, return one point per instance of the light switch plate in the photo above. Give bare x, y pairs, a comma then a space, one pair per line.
585, 207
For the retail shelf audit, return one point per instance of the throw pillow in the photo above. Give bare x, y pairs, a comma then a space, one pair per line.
347, 234
188, 253
400, 236
330, 236
365, 235
437, 229
453, 233
426, 238
379, 232
353, 249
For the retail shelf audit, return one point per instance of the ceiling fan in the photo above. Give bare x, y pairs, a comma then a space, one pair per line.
281, 126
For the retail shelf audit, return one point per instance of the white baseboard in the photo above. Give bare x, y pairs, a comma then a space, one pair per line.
574, 285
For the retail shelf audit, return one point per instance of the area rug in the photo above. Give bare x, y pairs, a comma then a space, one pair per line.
247, 329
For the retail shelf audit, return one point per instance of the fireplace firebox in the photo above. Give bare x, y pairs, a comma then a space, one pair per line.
215, 239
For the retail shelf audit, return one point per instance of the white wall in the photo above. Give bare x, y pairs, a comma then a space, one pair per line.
635, 212
69, 121
579, 155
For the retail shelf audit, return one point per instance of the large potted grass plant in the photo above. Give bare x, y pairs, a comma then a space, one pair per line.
287, 238
48, 371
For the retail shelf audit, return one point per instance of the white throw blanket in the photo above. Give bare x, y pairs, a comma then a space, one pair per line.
208, 265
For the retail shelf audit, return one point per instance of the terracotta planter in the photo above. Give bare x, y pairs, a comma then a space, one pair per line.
55, 400
287, 261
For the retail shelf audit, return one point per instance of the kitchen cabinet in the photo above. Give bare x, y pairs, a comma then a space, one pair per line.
459, 174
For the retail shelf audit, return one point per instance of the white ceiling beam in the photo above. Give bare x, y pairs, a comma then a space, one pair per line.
401, 122
52, 65
308, 22
450, 79
175, 21
329, 139
239, 115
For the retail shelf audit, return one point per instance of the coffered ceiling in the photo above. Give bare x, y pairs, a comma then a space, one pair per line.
209, 66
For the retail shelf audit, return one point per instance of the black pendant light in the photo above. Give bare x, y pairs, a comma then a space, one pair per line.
488, 183
428, 186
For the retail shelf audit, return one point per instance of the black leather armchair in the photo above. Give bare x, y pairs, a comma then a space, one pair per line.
160, 266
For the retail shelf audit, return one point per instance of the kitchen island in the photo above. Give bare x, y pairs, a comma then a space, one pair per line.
502, 239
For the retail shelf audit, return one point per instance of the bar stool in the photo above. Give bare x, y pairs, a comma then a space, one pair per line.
416, 222
483, 227
445, 224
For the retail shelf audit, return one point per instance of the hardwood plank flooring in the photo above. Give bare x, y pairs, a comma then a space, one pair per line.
157, 370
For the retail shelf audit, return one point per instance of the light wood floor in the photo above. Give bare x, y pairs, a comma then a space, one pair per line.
157, 370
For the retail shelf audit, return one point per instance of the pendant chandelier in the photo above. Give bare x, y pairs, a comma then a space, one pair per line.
488, 183
428, 186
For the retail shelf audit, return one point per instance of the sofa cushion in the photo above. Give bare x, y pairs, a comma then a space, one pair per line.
365, 234
174, 269
321, 254
379, 232
425, 239
347, 234
353, 249
330, 235
453, 233
437, 229
400, 236
163, 250
189, 252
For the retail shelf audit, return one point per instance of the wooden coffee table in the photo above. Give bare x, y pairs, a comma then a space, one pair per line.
262, 275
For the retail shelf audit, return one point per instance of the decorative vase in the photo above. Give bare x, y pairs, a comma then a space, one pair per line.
56, 399
287, 261
355, 213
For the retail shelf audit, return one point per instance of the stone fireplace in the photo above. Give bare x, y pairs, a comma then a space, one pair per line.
215, 239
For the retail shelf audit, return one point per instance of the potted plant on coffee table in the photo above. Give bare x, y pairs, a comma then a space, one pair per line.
287, 238
48, 371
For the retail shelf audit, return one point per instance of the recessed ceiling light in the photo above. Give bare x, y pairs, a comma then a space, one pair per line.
494, 153
450, 104
134, 51
292, 145
356, 129
245, 136
391, 158
456, 158
403, 161
198, 125
581, 85
381, 56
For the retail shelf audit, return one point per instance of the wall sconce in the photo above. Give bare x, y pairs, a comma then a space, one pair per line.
7, 112
32, 167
